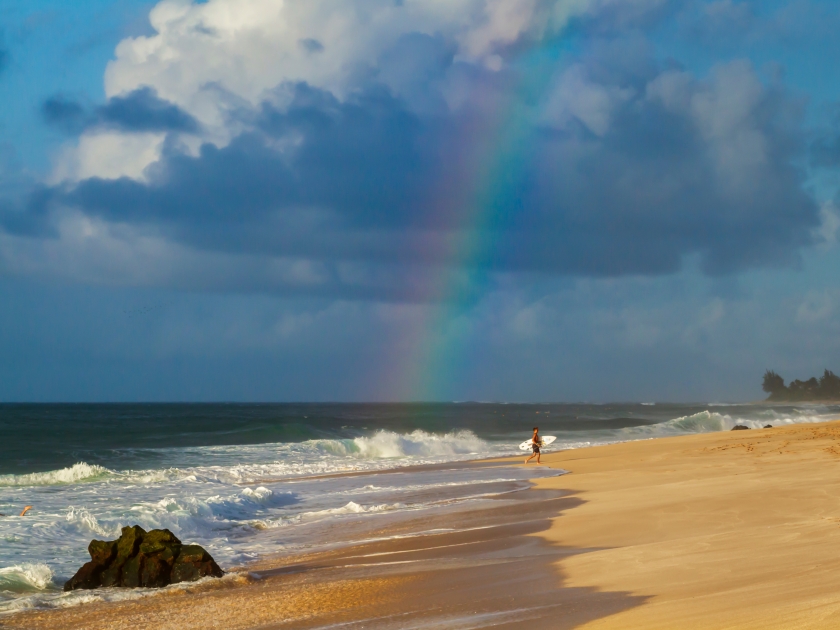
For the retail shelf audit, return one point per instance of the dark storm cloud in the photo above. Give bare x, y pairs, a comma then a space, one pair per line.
361, 158
138, 111
633, 167
670, 177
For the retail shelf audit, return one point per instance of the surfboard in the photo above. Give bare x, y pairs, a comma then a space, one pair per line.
546, 440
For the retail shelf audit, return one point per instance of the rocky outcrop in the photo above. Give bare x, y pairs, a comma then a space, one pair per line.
140, 558
768, 426
740, 427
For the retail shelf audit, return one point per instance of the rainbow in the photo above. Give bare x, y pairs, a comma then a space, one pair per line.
497, 153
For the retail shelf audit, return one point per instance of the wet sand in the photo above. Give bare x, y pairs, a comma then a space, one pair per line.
725, 530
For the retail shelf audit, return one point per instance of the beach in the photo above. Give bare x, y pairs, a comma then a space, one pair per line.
716, 530
722, 530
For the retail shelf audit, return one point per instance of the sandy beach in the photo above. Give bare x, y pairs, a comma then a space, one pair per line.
723, 530
719, 530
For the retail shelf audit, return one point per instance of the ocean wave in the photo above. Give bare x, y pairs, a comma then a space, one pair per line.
390, 445
193, 518
74, 474
710, 421
25, 578
81, 520
351, 508
313, 457
88, 473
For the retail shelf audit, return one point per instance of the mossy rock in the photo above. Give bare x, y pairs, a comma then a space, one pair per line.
102, 552
194, 563
143, 559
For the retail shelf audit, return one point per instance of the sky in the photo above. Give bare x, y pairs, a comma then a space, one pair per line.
408, 200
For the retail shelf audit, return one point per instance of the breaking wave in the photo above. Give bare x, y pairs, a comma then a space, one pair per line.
87, 473
25, 578
389, 445
710, 421
73, 474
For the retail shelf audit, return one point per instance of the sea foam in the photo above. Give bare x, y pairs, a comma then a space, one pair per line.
74, 474
389, 445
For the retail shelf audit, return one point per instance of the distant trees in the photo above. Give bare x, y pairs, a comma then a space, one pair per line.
830, 384
773, 383
826, 388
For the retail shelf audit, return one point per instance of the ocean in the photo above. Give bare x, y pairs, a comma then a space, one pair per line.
246, 480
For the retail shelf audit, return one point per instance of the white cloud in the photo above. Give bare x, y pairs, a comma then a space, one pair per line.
576, 97
726, 111
214, 57
109, 155
247, 47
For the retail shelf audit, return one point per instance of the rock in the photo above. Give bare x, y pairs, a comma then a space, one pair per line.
102, 551
89, 576
740, 427
140, 558
768, 426
127, 546
193, 563
159, 549
130, 572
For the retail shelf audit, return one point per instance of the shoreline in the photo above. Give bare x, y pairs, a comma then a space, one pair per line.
716, 530
461, 566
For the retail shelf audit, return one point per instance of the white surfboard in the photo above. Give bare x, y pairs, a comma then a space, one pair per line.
546, 440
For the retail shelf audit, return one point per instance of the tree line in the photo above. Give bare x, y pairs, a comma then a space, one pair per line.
827, 387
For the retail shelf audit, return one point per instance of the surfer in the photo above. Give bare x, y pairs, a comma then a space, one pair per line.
536, 442
25, 510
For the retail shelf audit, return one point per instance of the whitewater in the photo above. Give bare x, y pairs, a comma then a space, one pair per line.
242, 501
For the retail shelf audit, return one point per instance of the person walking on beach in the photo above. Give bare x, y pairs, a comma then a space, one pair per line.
536, 441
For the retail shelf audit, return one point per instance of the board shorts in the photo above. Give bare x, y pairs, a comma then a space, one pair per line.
535, 448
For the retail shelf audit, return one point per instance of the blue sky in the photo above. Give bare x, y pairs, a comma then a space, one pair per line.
56, 47
476, 200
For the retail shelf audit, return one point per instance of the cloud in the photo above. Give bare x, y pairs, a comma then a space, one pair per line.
247, 46
393, 157
139, 111
719, 22
311, 45
825, 147
142, 111
64, 113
